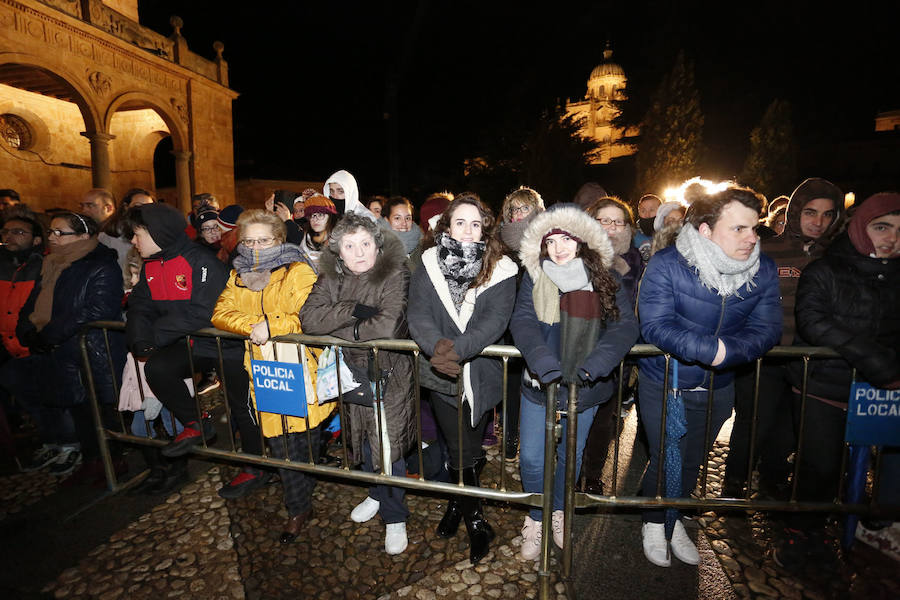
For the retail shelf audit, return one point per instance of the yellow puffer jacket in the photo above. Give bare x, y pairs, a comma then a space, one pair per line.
239, 308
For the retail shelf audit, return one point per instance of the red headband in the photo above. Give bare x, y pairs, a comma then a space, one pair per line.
556, 231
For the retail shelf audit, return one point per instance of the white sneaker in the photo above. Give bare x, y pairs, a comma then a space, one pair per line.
682, 546
558, 523
656, 549
365, 510
395, 540
532, 532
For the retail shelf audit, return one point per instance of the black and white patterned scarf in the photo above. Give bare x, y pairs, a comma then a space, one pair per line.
460, 264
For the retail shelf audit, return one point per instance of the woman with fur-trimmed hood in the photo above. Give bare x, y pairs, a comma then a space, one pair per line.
361, 295
573, 321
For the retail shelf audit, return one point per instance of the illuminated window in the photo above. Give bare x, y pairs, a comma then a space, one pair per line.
16, 132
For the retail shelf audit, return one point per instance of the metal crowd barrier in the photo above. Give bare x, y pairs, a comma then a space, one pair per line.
543, 500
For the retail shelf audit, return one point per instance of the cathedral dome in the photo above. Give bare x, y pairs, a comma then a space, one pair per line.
607, 80
607, 68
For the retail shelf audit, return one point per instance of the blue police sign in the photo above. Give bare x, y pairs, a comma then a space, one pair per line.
279, 387
873, 416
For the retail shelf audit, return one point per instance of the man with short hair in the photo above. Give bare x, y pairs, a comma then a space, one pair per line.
99, 204
813, 216
643, 237
711, 302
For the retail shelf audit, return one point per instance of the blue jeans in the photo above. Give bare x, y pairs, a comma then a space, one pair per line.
531, 451
693, 452
139, 425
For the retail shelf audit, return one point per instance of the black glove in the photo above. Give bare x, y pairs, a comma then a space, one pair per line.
364, 311
550, 376
142, 350
36, 343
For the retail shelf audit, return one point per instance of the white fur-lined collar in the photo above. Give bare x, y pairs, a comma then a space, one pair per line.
568, 218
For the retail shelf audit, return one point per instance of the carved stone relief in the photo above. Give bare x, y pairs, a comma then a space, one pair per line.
100, 83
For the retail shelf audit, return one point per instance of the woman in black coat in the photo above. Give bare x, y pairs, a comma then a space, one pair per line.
80, 282
460, 301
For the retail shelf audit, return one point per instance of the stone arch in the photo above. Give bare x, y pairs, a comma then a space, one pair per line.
82, 96
167, 113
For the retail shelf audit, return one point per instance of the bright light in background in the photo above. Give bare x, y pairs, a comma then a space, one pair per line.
849, 199
676, 194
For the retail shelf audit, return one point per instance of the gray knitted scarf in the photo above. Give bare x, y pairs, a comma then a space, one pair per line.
717, 270
254, 266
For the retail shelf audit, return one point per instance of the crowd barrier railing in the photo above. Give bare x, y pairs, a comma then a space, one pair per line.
108, 431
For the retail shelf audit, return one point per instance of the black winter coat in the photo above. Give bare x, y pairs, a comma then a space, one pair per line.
850, 303
90, 289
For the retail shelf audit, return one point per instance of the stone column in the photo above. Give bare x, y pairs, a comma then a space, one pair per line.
99, 157
183, 179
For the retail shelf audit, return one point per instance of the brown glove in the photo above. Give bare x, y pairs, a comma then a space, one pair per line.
446, 366
444, 347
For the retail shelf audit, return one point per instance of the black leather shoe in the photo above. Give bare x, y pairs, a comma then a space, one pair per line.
450, 521
293, 527
481, 534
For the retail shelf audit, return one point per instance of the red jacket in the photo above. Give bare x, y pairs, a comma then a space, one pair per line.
17, 279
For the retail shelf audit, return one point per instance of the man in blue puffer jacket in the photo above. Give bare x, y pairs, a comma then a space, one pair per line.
712, 302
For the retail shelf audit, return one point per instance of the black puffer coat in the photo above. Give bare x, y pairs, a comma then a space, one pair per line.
851, 303
90, 289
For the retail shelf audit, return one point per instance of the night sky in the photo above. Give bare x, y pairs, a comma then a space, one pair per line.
313, 77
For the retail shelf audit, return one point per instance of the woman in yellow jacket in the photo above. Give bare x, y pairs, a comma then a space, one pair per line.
269, 283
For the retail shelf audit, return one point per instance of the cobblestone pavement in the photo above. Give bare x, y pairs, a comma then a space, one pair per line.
194, 543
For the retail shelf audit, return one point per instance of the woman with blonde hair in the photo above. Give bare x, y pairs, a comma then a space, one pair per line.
267, 287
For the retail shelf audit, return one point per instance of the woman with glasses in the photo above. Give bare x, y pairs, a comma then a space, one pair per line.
617, 220
81, 282
460, 301
266, 289
361, 295
321, 217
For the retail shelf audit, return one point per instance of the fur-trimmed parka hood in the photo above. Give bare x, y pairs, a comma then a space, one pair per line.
567, 217
391, 258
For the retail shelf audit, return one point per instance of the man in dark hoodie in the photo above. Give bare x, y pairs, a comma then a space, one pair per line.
813, 218
177, 291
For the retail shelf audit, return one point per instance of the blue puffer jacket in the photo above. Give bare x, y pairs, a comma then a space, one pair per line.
682, 317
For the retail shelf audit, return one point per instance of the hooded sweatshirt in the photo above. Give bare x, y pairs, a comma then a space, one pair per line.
177, 289
351, 202
792, 251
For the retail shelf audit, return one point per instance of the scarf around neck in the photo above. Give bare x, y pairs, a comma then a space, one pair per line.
410, 239
717, 270
255, 266
460, 264
59, 259
553, 280
621, 243
511, 233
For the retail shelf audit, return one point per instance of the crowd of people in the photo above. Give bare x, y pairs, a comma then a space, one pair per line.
572, 285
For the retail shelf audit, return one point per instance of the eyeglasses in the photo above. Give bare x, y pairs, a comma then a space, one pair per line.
606, 222
318, 217
210, 229
261, 242
16, 232
520, 210
60, 232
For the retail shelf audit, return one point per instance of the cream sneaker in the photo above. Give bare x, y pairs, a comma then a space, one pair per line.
532, 532
395, 540
682, 546
558, 523
656, 549
365, 510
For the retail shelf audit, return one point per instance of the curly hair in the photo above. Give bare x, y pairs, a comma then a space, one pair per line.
493, 247
351, 223
526, 196
601, 278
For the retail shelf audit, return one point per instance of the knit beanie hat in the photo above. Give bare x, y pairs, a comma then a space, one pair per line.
228, 216
664, 209
205, 215
319, 204
875, 206
435, 205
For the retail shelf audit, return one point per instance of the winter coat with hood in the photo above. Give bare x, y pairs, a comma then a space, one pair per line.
90, 289
19, 272
681, 316
329, 311
481, 321
177, 290
540, 343
239, 308
792, 251
849, 302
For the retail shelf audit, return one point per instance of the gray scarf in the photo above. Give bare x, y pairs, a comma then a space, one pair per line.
460, 264
410, 239
254, 266
568, 277
511, 233
717, 270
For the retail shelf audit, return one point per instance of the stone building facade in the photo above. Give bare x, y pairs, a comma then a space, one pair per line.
87, 94
605, 85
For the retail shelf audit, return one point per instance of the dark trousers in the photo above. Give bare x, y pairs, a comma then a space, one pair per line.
596, 448
298, 486
447, 415
166, 371
774, 430
694, 451
392, 499
24, 378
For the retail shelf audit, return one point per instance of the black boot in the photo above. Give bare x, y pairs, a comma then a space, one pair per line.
176, 475
157, 474
450, 522
480, 532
